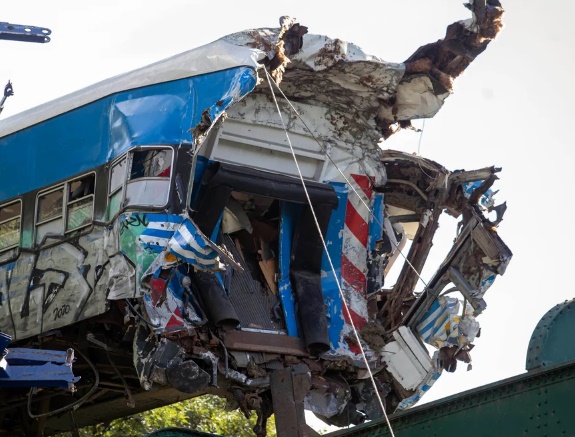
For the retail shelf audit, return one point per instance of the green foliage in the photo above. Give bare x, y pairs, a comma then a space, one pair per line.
206, 413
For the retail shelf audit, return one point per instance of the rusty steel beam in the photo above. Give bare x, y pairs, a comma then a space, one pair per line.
259, 342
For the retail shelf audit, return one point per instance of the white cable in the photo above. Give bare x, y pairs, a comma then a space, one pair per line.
329, 259
420, 137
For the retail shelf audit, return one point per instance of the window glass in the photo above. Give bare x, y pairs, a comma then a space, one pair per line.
10, 225
81, 188
151, 163
10, 211
148, 192
80, 213
80, 202
50, 205
114, 204
117, 175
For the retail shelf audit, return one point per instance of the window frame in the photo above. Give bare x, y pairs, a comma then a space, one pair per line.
4, 205
44, 193
65, 186
115, 162
122, 187
72, 202
129, 157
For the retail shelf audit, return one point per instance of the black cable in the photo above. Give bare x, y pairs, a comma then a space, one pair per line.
141, 317
74, 405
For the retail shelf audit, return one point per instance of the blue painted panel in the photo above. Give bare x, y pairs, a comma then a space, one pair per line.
329, 287
93, 134
201, 165
289, 213
37, 368
376, 221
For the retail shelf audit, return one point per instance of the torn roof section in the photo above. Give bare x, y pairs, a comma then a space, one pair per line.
385, 96
316, 69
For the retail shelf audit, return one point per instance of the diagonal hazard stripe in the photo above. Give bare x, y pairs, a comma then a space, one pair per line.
358, 321
356, 223
354, 256
353, 276
363, 183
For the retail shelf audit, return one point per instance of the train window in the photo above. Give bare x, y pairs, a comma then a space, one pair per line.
116, 187
66, 208
117, 176
80, 207
10, 219
149, 177
151, 163
49, 213
50, 205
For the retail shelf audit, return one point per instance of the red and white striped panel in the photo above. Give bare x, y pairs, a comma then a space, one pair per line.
354, 253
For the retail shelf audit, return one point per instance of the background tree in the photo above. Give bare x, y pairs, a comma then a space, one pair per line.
205, 413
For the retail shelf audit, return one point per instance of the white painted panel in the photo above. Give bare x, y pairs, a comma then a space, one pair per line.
278, 161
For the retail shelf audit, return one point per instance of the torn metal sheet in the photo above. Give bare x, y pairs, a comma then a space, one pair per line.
406, 359
446, 325
425, 385
192, 247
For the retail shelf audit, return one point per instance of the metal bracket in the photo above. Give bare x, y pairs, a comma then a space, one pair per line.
289, 389
20, 367
21, 32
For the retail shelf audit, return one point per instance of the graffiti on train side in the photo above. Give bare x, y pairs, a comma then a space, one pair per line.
133, 220
62, 284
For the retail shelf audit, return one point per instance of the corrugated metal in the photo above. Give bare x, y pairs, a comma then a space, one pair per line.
253, 302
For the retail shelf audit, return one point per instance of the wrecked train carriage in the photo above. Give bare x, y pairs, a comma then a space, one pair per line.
151, 229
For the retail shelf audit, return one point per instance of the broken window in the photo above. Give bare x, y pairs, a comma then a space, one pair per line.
149, 177
80, 206
10, 219
151, 163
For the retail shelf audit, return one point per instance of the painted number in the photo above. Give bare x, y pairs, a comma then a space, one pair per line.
60, 312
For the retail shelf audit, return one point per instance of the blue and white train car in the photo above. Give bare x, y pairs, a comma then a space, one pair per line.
200, 224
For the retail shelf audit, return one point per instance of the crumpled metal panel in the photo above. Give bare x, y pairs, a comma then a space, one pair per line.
348, 99
339, 75
217, 56
63, 284
415, 98
174, 112
331, 72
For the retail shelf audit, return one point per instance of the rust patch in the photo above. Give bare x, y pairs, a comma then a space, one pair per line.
202, 127
374, 335
258, 342
330, 54
445, 59
290, 42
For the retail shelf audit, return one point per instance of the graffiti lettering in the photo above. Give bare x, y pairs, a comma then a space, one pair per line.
133, 220
64, 283
62, 311
49, 282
